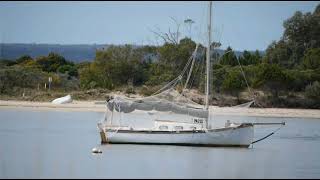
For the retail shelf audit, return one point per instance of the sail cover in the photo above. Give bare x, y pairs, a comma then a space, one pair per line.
167, 101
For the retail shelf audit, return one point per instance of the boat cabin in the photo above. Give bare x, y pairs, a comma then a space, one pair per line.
166, 125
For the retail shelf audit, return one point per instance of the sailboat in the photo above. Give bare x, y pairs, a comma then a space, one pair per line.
171, 118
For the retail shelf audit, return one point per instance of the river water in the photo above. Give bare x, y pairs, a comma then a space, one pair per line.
58, 144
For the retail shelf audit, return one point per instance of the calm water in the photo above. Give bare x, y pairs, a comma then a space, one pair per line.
57, 144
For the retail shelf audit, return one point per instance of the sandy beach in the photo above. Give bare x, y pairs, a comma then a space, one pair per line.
98, 106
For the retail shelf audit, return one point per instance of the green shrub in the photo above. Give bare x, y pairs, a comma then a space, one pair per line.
313, 91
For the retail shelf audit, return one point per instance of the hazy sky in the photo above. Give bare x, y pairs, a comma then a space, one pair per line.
242, 25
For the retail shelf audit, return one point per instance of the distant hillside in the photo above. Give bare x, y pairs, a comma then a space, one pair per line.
76, 53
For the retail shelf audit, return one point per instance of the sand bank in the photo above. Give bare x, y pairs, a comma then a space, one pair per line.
95, 106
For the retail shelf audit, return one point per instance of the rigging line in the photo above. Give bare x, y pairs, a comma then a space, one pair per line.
258, 104
186, 66
221, 34
244, 76
176, 79
200, 38
176, 82
179, 77
165, 86
198, 67
120, 115
193, 77
142, 98
201, 26
202, 67
190, 72
190, 60
191, 68
180, 94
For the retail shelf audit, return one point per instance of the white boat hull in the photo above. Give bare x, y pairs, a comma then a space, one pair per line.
241, 136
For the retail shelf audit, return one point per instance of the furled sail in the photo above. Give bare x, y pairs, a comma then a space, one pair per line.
160, 103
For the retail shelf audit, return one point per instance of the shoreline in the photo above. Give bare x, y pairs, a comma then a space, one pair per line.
97, 106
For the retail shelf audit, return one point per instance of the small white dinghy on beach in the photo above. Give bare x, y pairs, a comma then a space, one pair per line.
63, 100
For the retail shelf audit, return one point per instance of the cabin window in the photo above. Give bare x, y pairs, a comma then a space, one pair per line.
199, 121
162, 127
178, 128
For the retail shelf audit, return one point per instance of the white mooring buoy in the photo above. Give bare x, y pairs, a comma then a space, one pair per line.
96, 150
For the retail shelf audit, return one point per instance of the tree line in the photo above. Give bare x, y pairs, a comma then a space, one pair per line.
289, 67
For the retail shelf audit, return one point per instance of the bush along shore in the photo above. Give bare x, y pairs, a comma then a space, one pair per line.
222, 100
286, 75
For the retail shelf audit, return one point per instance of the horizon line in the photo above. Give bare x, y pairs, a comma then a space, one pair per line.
112, 45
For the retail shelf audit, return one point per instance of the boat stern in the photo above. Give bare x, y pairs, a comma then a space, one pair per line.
103, 136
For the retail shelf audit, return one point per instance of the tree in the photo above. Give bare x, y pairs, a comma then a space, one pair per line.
271, 77
229, 58
90, 77
170, 36
303, 29
296, 28
218, 76
279, 53
120, 65
313, 91
51, 62
247, 58
159, 73
298, 79
6, 62
14, 77
23, 59
302, 32
175, 56
71, 70
256, 57
311, 59
189, 22
234, 82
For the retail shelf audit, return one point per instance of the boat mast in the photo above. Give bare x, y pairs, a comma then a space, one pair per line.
208, 56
